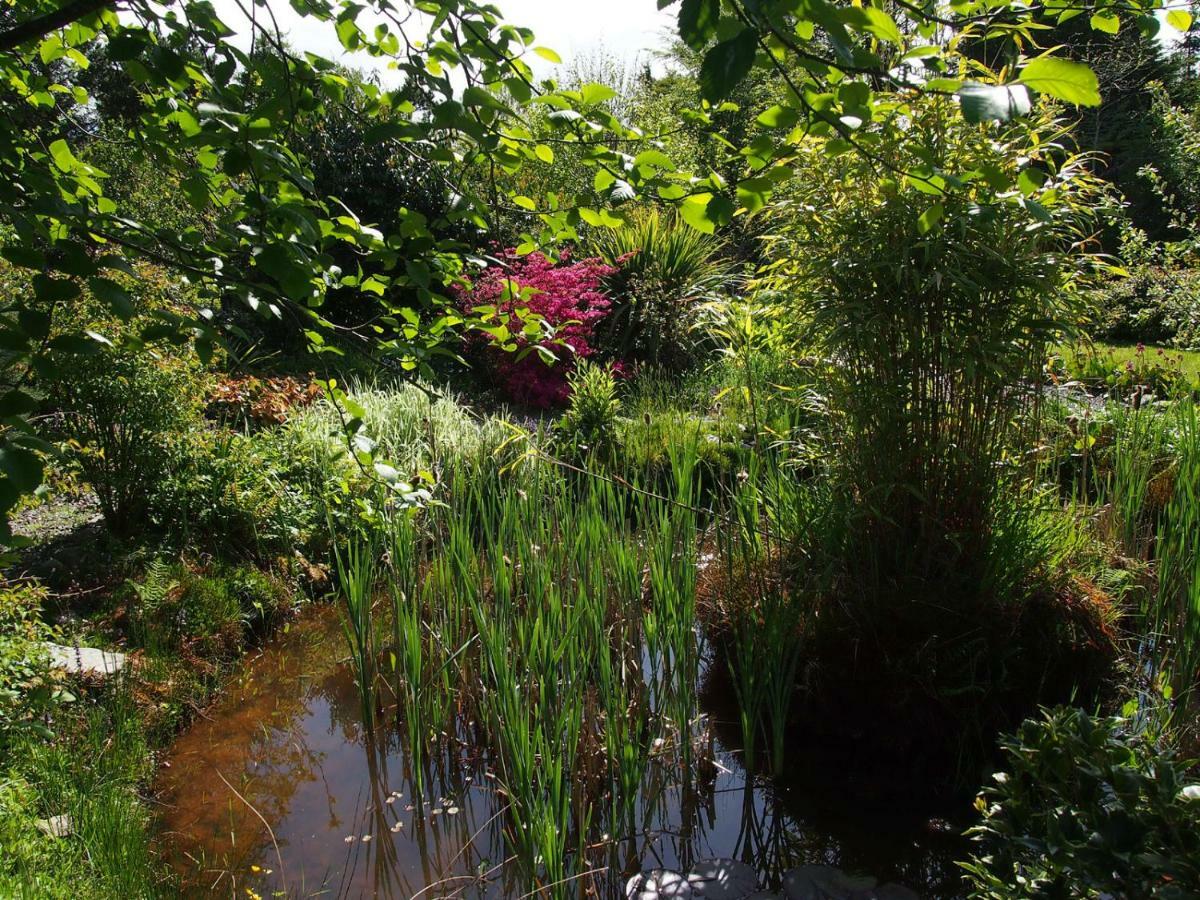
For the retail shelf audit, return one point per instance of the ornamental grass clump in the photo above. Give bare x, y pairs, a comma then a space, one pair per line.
663, 273
932, 312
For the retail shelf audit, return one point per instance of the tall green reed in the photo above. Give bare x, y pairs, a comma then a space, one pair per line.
519, 613
1172, 617
356, 564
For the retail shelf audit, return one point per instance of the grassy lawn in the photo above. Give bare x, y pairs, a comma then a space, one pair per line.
1088, 360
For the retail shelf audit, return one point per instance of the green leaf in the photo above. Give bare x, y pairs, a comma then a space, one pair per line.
281, 262
1179, 19
75, 343
698, 21
1030, 180
873, 21
727, 63
694, 211
929, 218
21, 255
779, 116
61, 153
1106, 22
16, 403
125, 46
753, 193
54, 290
655, 158
35, 323
544, 153
621, 192
547, 54
22, 466
114, 295
1072, 82
594, 93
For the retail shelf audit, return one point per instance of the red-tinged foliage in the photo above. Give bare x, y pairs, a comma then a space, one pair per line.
567, 295
262, 401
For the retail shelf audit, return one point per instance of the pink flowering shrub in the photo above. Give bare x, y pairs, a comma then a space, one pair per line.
567, 295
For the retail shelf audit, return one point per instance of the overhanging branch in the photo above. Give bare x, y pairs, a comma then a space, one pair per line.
40, 26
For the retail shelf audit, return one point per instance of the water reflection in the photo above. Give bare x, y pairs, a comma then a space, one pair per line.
279, 788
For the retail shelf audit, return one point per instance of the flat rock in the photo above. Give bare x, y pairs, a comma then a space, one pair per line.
722, 879
826, 883
55, 826
658, 884
86, 660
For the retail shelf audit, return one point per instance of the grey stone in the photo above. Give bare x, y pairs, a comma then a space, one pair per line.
86, 660
55, 826
722, 879
658, 884
825, 883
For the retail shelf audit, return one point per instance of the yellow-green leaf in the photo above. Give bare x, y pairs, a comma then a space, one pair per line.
1179, 19
1065, 79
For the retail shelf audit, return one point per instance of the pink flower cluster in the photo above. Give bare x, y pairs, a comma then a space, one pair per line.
567, 295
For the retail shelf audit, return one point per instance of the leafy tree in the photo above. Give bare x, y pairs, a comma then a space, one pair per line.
240, 152
841, 68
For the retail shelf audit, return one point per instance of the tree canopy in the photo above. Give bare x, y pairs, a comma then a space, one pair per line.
246, 125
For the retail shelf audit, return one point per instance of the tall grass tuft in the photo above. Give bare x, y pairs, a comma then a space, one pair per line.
357, 570
1172, 618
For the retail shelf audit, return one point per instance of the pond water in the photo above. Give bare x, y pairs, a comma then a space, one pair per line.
279, 788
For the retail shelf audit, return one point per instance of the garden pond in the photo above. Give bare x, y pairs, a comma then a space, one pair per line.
278, 789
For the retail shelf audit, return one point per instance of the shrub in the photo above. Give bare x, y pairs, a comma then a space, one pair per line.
247, 399
590, 422
237, 494
28, 689
663, 270
120, 412
568, 297
1087, 808
205, 611
1155, 304
416, 430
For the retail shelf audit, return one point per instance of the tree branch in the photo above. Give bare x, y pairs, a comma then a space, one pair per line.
40, 26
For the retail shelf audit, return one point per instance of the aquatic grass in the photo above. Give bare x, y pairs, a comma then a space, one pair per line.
766, 640
1141, 448
1172, 614
520, 610
356, 566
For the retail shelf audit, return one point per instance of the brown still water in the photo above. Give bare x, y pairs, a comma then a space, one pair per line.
279, 788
